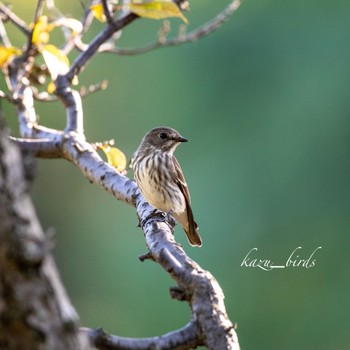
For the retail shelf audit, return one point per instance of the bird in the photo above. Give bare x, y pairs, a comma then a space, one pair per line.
161, 181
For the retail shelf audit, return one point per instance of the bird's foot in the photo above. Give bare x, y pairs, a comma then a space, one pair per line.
154, 213
161, 215
168, 215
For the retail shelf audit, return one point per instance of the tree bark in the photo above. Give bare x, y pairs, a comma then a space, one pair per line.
35, 312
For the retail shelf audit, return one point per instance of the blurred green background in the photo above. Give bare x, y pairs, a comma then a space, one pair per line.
265, 103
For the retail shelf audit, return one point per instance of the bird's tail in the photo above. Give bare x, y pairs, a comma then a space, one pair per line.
193, 235
190, 227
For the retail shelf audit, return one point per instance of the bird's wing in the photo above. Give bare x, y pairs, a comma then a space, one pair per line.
180, 180
192, 225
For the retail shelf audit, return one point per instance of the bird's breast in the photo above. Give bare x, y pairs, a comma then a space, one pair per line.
157, 185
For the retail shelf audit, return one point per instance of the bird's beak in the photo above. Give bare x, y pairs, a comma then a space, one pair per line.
180, 139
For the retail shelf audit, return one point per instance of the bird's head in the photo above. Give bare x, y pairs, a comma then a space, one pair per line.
162, 138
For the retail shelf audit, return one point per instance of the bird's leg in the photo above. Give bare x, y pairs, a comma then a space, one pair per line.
169, 218
168, 214
160, 214
142, 222
153, 213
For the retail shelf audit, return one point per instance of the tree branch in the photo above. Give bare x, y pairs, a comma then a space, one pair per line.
8, 14
39, 10
93, 47
72, 102
215, 328
184, 338
35, 311
190, 37
107, 12
41, 148
3, 34
28, 122
210, 324
100, 39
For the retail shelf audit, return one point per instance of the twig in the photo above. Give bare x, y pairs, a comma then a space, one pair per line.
39, 10
107, 12
43, 96
6, 97
72, 102
19, 23
192, 36
88, 18
99, 40
3, 34
51, 6
38, 13
94, 46
87, 91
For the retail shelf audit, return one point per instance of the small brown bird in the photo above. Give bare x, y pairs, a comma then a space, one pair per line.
161, 181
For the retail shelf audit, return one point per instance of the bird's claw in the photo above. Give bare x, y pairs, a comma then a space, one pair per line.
160, 215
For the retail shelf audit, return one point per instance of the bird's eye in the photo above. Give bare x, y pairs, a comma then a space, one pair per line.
163, 135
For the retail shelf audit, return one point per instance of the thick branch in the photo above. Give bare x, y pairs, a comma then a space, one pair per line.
35, 312
41, 148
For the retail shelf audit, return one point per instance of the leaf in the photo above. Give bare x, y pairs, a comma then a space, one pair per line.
115, 157
6, 53
41, 31
51, 87
156, 9
56, 61
98, 12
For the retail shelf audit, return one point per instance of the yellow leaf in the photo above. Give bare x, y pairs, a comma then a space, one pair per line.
6, 53
41, 31
115, 157
98, 12
51, 88
56, 61
42, 28
156, 9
